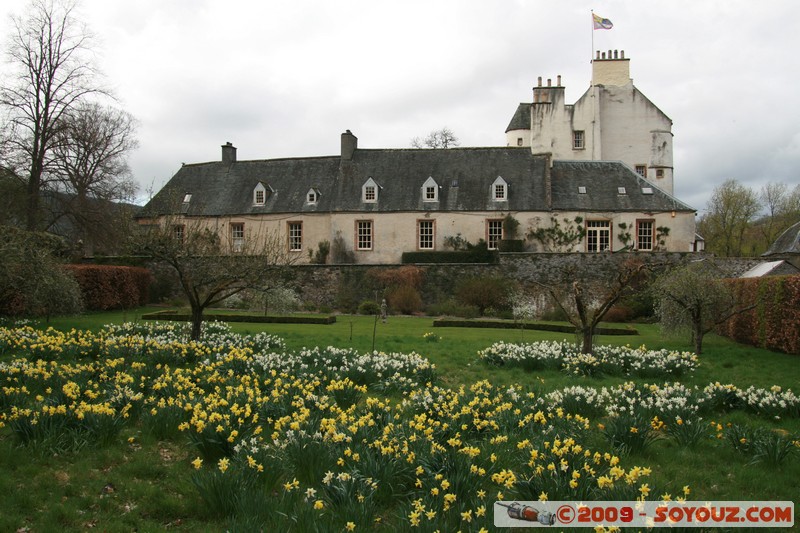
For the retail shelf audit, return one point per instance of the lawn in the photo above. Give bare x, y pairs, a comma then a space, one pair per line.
141, 476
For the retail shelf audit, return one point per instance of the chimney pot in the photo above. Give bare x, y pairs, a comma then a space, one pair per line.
609, 54
558, 80
622, 54
604, 55
549, 82
540, 81
598, 54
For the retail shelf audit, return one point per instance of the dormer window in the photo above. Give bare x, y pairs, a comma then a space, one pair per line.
430, 191
312, 197
369, 191
500, 190
260, 194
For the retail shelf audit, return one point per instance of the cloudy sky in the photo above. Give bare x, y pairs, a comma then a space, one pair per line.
285, 78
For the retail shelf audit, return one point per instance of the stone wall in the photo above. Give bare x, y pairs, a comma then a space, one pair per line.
332, 285
327, 285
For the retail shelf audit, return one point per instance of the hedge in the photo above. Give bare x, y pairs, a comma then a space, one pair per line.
774, 322
259, 319
559, 328
106, 287
471, 256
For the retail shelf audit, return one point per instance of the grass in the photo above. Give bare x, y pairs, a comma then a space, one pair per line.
151, 484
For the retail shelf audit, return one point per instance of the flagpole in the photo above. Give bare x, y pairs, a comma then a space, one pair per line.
591, 87
591, 54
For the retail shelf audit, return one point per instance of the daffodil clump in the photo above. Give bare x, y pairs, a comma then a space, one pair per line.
299, 439
379, 370
607, 360
304, 440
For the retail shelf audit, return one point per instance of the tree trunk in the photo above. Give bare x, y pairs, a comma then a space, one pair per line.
197, 322
586, 333
697, 335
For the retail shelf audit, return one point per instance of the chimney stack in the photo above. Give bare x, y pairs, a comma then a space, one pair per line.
611, 68
228, 153
349, 145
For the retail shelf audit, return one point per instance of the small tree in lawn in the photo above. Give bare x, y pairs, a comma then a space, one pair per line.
587, 287
211, 268
694, 297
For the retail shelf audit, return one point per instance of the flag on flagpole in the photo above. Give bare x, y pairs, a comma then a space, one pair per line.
600, 23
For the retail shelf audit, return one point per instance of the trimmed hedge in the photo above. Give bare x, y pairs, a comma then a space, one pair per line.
774, 323
106, 287
455, 323
185, 317
471, 256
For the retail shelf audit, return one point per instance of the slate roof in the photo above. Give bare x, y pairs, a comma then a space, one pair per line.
521, 119
787, 242
464, 177
602, 180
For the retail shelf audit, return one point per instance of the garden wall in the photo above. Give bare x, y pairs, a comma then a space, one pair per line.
329, 285
774, 323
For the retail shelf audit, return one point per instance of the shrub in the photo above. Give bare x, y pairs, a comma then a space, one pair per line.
452, 308
404, 276
619, 313
404, 299
368, 307
483, 293
32, 280
107, 287
351, 291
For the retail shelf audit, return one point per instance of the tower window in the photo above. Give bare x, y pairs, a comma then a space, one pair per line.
578, 142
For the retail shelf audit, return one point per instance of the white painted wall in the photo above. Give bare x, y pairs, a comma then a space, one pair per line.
618, 121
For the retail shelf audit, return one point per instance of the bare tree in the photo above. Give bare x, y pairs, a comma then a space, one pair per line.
90, 158
443, 138
782, 208
50, 72
211, 267
694, 297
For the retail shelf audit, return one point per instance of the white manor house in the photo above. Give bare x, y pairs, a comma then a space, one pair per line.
606, 159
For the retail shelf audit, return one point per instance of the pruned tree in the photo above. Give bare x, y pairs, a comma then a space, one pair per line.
210, 267
694, 297
50, 73
586, 288
437, 139
90, 161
